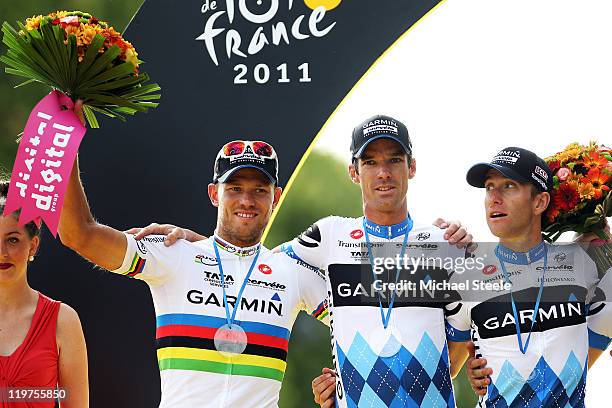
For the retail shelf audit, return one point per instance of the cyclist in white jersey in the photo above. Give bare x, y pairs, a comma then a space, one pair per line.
224, 306
539, 361
391, 351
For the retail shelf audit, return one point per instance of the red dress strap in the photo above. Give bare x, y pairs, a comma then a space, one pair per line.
34, 364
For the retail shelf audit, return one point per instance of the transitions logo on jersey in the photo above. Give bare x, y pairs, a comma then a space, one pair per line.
560, 257
360, 244
265, 269
489, 269
356, 234
205, 260
423, 236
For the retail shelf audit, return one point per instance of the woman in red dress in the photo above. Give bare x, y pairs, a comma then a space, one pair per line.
42, 346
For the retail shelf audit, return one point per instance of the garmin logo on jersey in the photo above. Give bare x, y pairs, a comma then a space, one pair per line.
356, 234
256, 305
265, 269
489, 269
555, 311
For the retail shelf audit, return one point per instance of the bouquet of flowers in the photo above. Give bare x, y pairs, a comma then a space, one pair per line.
82, 57
581, 199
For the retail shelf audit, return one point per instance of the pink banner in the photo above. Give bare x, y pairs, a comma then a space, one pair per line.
44, 161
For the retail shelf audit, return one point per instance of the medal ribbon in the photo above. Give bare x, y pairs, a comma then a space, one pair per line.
230, 320
386, 318
522, 259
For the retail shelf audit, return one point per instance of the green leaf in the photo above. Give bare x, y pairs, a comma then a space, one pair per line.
29, 81
100, 64
108, 113
90, 55
145, 89
91, 117
112, 74
113, 100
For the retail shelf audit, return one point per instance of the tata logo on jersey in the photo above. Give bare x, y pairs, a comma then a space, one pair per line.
214, 279
265, 30
489, 269
265, 269
356, 234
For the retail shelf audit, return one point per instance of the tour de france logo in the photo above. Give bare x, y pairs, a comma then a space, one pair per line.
224, 43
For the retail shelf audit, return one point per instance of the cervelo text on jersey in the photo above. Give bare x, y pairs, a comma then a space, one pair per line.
552, 372
187, 292
419, 374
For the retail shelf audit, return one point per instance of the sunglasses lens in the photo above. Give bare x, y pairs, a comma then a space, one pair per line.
233, 148
263, 149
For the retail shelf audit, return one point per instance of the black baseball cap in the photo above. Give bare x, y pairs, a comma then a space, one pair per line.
241, 154
516, 164
377, 127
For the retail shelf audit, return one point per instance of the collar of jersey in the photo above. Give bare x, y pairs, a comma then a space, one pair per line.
235, 250
388, 231
521, 258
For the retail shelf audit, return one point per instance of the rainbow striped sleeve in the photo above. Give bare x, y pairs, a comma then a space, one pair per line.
321, 311
185, 342
136, 266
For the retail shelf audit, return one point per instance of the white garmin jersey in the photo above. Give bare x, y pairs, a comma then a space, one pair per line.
418, 375
552, 372
185, 284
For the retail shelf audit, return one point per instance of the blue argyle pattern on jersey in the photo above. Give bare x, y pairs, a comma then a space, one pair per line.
543, 387
420, 379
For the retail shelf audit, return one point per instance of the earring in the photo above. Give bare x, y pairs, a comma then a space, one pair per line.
31, 258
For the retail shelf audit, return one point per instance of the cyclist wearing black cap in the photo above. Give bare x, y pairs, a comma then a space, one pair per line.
224, 306
389, 346
532, 327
